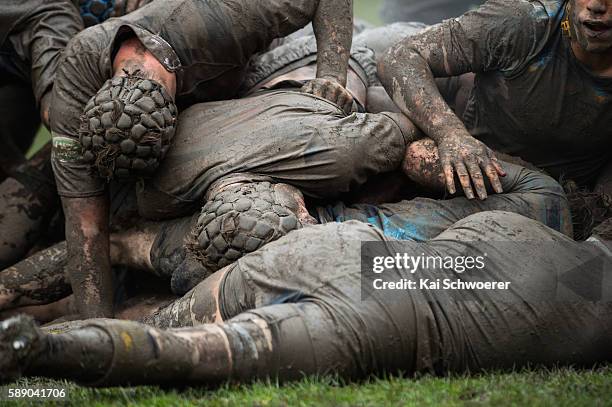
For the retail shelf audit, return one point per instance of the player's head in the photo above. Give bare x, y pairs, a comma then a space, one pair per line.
127, 127
591, 24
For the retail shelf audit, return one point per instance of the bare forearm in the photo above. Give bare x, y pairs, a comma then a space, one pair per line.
333, 28
408, 78
89, 267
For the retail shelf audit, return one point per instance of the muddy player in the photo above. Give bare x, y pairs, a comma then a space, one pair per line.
270, 318
160, 248
34, 33
297, 145
32, 36
119, 86
542, 88
24, 227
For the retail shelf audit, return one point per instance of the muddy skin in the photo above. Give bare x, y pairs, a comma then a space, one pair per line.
308, 323
89, 255
253, 28
144, 303
44, 313
408, 77
198, 306
39, 279
528, 193
422, 165
516, 50
333, 51
28, 201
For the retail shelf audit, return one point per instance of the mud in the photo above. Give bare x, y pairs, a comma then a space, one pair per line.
588, 209
277, 136
211, 68
301, 322
88, 267
198, 306
237, 220
38, 279
517, 51
28, 203
187, 31
33, 34
528, 193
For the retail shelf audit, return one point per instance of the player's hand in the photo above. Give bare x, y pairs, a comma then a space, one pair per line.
467, 156
331, 90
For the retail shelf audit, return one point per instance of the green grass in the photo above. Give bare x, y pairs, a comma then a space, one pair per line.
564, 387
368, 10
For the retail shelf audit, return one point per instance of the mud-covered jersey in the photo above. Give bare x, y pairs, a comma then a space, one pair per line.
283, 136
206, 43
33, 34
532, 97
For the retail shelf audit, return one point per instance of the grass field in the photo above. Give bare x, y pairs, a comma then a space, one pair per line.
534, 388
531, 388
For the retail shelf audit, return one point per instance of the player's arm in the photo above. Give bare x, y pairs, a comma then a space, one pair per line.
333, 28
89, 269
498, 36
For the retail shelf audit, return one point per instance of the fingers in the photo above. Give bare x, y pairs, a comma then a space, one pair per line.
449, 176
475, 174
345, 100
492, 174
498, 167
464, 178
331, 91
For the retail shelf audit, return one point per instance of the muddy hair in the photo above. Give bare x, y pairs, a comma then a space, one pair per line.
589, 209
127, 127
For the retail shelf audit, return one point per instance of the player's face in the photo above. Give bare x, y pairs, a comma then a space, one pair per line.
592, 23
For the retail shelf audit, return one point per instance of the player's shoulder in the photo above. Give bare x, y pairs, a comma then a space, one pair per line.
91, 40
541, 11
